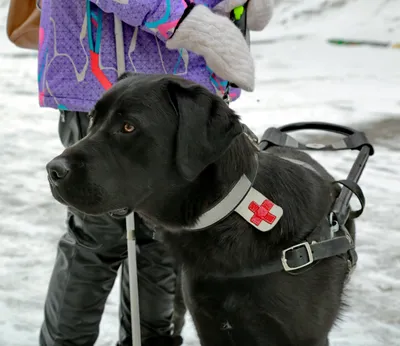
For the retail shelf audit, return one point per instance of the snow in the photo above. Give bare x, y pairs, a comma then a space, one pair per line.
299, 77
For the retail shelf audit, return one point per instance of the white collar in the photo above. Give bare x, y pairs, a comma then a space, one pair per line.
249, 203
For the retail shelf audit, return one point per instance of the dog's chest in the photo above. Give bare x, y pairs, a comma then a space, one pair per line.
233, 313
212, 299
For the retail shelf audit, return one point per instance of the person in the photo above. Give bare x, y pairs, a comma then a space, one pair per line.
83, 47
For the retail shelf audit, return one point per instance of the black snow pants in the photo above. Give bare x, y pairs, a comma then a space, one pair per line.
88, 257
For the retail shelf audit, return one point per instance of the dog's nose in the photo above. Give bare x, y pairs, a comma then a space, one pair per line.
58, 169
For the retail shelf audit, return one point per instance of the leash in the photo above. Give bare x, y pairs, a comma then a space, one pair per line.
239, 17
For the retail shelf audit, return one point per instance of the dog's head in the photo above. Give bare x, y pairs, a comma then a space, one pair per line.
148, 137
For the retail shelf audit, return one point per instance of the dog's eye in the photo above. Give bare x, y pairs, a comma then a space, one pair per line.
128, 128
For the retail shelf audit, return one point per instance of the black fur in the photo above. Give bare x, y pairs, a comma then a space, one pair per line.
186, 152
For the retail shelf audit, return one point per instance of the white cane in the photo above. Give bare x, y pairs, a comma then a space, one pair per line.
130, 219
133, 279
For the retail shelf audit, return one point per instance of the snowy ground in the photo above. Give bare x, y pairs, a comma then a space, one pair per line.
299, 77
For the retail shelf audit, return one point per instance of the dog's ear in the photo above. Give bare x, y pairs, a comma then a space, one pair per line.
206, 127
127, 74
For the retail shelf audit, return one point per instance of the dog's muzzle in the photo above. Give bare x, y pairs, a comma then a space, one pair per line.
62, 178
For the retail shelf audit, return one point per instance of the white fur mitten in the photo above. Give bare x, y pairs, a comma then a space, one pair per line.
220, 42
259, 12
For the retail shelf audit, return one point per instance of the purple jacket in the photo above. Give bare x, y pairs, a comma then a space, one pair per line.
84, 45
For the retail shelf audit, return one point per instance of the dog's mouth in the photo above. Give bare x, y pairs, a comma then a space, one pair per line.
120, 213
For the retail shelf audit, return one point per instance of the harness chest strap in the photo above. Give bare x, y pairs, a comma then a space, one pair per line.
297, 257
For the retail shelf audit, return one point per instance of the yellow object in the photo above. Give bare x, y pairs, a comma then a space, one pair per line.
238, 11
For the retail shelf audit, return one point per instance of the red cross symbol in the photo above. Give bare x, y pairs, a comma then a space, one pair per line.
262, 213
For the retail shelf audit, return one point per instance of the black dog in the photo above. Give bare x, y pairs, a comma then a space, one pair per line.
169, 150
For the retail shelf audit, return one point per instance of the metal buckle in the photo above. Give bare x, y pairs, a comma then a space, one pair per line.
309, 254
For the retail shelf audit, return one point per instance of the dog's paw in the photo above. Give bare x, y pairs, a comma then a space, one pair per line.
164, 341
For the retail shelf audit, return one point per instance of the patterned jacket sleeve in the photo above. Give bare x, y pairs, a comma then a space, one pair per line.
157, 16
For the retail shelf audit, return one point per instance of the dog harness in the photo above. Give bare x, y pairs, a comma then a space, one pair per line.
328, 239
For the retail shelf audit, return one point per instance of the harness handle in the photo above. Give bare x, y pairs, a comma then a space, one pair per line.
353, 140
279, 137
340, 129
